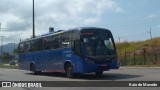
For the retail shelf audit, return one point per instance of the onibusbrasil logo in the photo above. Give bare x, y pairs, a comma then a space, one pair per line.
21, 84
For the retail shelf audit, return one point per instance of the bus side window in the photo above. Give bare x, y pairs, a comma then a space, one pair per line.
77, 46
75, 35
66, 41
56, 42
47, 43
32, 46
38, 45
21, 48
26, 46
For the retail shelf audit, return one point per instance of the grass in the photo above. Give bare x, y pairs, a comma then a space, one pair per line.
3, 65
150, 46
130, 46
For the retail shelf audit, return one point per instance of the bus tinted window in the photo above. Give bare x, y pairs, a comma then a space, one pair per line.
66, 40
76, 35
56, 42
21, 48
32, 48
24, 47
47, 41
38, 45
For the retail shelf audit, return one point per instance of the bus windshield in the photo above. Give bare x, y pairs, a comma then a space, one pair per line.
99, 43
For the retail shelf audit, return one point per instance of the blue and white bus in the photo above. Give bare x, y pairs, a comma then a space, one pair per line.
77, 50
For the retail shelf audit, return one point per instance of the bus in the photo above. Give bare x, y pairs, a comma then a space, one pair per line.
77, 50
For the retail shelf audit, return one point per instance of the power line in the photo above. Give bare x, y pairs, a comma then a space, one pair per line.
134, 26
131, 25
14, 28
134, 35
136, 21
145, 33
125, 37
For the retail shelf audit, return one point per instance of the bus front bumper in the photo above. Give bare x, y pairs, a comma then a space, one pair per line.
92, 67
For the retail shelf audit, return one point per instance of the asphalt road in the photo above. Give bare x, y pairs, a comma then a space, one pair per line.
123, 74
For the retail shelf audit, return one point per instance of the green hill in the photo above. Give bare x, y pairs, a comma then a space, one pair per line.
147, 51
131, 46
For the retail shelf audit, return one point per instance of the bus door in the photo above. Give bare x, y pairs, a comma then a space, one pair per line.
77, 56
67, 47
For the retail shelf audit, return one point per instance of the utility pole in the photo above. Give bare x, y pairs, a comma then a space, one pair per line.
150, 33
119, 38
1, 45
0, 26
14, 50
33, 22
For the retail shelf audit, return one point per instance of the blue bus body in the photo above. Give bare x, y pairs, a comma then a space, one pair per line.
55, 60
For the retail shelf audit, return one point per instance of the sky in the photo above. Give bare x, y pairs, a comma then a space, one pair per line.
128, 20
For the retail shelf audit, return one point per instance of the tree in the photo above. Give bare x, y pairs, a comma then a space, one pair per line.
6, 57
16, 51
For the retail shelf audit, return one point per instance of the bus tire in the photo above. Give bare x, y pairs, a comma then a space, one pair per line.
99, 73
69, 70
33, 70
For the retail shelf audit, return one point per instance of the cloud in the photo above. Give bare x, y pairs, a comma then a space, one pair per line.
75, 12
57, 13
152, 16
158, 26
91, 20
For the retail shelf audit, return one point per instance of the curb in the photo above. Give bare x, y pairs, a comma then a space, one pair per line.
123, 67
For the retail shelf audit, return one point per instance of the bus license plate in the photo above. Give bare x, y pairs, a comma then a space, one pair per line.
104, 65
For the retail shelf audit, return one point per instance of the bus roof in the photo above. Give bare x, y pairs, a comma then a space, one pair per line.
81, 28
61, 31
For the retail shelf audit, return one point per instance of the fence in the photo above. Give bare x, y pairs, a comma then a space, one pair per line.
140, 57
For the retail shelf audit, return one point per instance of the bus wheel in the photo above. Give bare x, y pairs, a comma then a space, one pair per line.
69, 70
99, 73
33, 70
